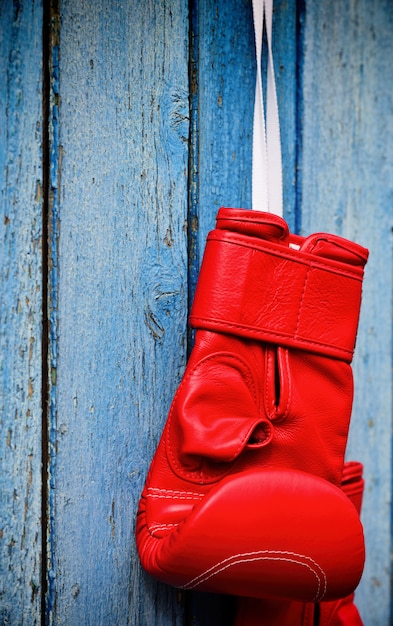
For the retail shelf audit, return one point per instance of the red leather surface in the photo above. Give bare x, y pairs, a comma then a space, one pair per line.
242, 495
342, 612
250, 536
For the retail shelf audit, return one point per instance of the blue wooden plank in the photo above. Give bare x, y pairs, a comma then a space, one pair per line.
226, 86
347, 188
121, 275
20, 311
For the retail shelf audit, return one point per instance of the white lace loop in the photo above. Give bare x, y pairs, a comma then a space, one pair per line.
266, 150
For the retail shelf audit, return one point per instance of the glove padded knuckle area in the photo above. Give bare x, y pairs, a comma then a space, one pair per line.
297, 537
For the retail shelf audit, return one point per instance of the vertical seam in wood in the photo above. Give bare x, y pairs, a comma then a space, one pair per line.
50, 157
300, 25
193, 195
45, 327
193, 160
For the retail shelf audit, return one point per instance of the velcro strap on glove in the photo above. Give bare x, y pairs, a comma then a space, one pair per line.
271, 292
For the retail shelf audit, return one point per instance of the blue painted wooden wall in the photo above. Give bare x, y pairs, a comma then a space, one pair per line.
123, 127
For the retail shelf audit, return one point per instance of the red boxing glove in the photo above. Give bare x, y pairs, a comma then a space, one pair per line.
343, 612
242, 496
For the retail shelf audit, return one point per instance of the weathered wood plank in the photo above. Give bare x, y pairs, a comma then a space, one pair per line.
347, 188
122, 297
20, 311
226, 87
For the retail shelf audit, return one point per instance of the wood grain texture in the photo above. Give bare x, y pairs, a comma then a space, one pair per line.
122, 296
20, 312
347, 188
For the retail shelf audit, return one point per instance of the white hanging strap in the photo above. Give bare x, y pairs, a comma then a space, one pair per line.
266, 150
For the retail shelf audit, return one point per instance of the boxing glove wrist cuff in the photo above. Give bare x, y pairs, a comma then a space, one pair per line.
271, 292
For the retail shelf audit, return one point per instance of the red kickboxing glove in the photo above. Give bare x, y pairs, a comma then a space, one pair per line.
242, 493
343, 612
